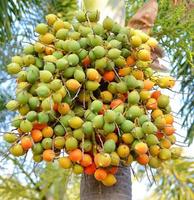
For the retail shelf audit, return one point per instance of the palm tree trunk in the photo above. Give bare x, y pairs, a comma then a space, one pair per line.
90, 188
94, 190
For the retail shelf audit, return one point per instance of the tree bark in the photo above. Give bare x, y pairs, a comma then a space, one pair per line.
94, 190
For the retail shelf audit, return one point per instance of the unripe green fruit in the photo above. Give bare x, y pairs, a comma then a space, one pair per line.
41, 28
98, 29
62, 34
49, 67
57, 54
120, 62
31, 116
47, 143
22, 97
151, 140
108, 23
78, 134
82, 54
134, 112
13, 68
137, 132
99, 51
17, 59
84, 30
17, 150
86, 145
83, 42
22, 76
29, 49
28, 60
34, 103
94, 16
116, 27
79, 75
47, 104
59, 142
45, 76
115, 44
131, 82
120, 119
71, 144
80, 16
64, 120
37, 149
112, 87
154, 162
136, 41
109, 146
55, 85
74, 46
73, 59
62, 64
16, 121
96, 106
114, 53
98, 122
163, 101
143, 118
149, 128
37, 158
43, 118
109, 116
10, 137
12, 105
39, 47
94, 40
59, 130
133, 97
92, 85
39, 63
87, 128
101, 63
126, 126
108, 128
164, 154
121, 87
43, 91
32, 75
26, 126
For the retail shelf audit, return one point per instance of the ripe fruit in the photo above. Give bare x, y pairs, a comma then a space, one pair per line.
63, 108
36, 135
141, 148
48, 155
90, 169
75, 155
16, 150
143, 159
127, 138
100, 174
109, 180
65, 162
86, 160
75, 122
123, 150
47, 132
26, 142
102, 160
72, 85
